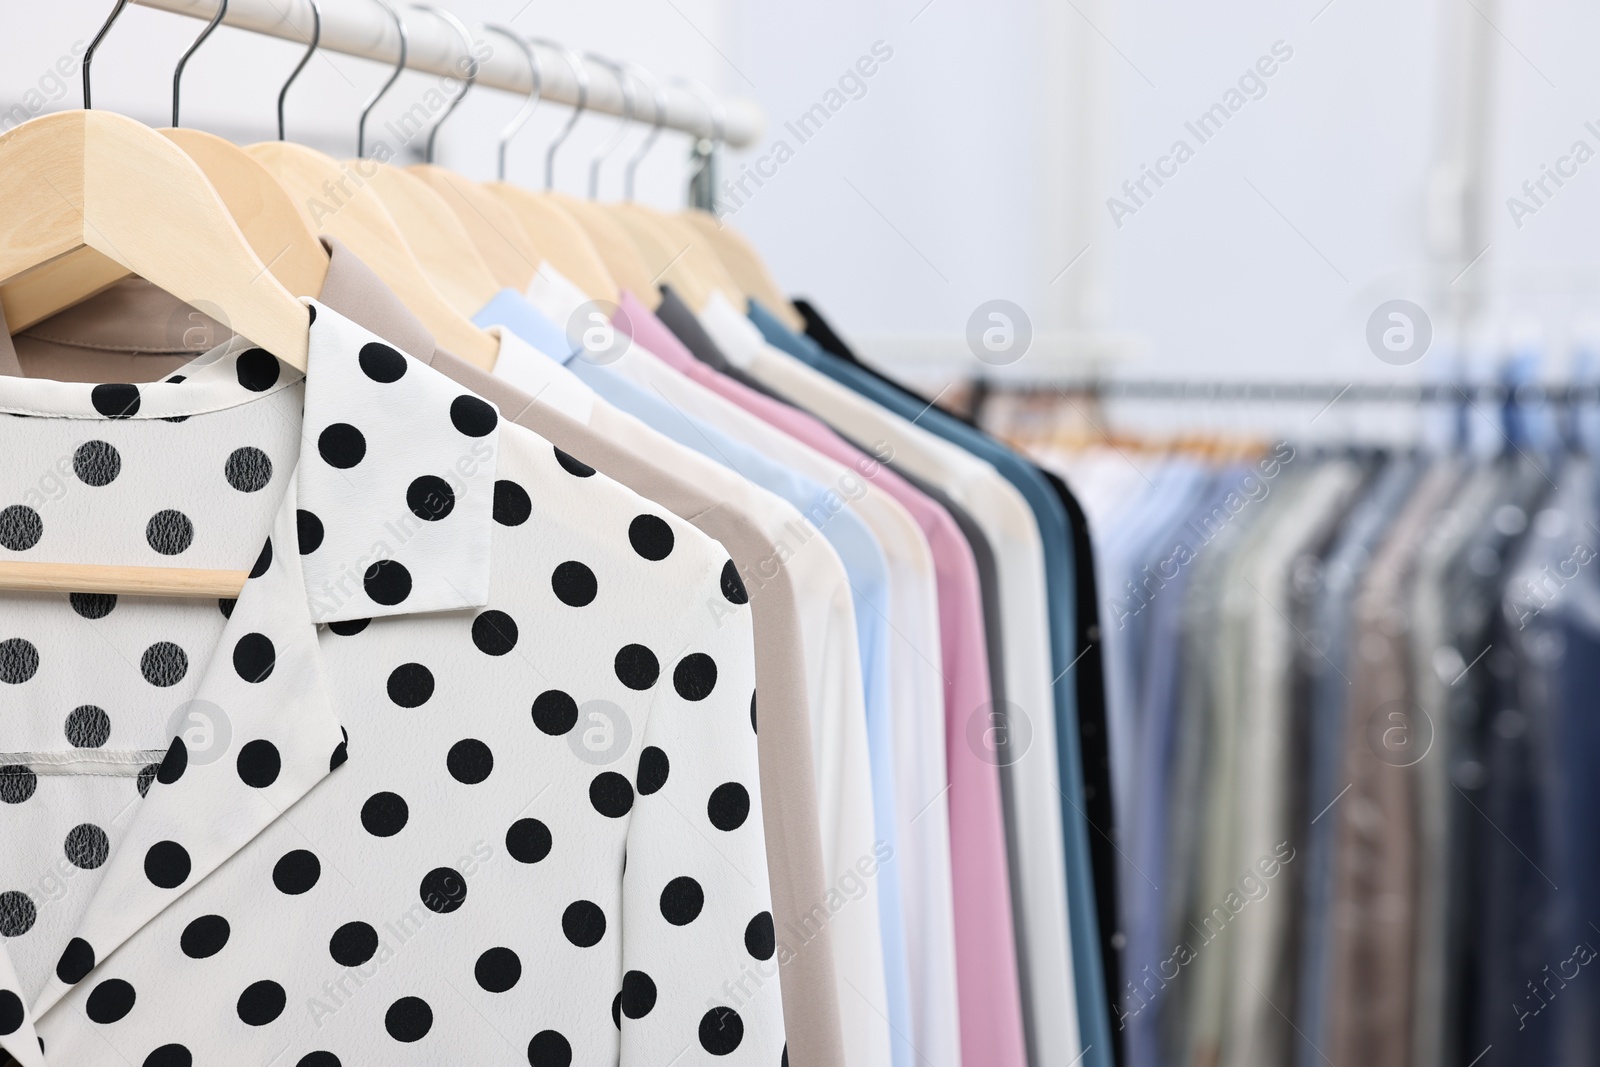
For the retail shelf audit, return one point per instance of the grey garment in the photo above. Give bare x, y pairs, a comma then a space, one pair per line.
131, 323
1434, 667
1199, 845
1258, 1030
1473, 586
1374, 874
678, 317
1325, 652
1224, 908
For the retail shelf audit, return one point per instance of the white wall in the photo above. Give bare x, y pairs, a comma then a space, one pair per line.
978, 160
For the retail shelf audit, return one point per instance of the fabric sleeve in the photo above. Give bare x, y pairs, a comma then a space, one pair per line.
700, 952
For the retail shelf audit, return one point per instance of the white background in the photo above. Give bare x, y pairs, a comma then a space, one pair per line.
979, 160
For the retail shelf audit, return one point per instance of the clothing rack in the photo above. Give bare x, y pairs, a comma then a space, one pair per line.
363, 28
1313, 392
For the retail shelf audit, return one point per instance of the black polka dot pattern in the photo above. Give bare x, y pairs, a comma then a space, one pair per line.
584, 923
19, 660
363, 771
729, 806
387, 582
549, 1048
261, 1002
110, 1001
430, 498
86, 846
20, 528
574, 584
637, 667
17, 783
92, 605
682, 901
408, 1019
443, 890
297, 872
353, 944
205, 937
87, 726
528, 841
494, 633
17, 913
511, 503
309, 531
116, 401
721, 1031
497, 970
96, 463
651, 537
473, 416
164, 664
169, 532
653, 770
76, 962
382, 363
555, 712
257, 369
385, 814
695, 676
248, 469
342, 445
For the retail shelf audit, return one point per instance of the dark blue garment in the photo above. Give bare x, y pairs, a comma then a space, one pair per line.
1327, 658
1089, 975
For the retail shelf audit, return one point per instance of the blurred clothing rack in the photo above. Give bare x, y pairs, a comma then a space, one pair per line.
1304, 392
364, 29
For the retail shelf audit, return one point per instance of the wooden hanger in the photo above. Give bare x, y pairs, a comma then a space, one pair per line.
565, 244
494, 228
269, 220
670, 262
745, 265
96, 180
617, 248
438, 239
337, 200
80, 180
701, 253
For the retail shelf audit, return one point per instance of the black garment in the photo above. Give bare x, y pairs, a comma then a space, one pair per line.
1090, 686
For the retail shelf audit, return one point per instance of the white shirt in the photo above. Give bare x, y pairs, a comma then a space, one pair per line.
466, 773
1003, 515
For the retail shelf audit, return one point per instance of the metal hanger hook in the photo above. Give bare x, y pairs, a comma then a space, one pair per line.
658, 97
183, 60
581, 73
399, 65
719, 121
316, 39
524, 113
621, 131
88, 54
472, 70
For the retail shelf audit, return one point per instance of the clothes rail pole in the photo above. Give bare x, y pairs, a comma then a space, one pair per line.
363, 29
1319, 392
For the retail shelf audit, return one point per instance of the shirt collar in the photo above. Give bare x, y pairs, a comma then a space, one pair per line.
397, 462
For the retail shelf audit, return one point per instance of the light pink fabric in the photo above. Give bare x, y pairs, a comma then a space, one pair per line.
986, 962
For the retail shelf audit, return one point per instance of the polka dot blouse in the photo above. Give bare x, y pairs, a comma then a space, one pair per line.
465, 775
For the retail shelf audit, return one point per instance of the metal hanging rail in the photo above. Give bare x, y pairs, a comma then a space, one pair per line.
1286, 392
364, 29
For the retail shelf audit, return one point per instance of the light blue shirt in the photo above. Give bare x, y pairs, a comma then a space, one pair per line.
865, 566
